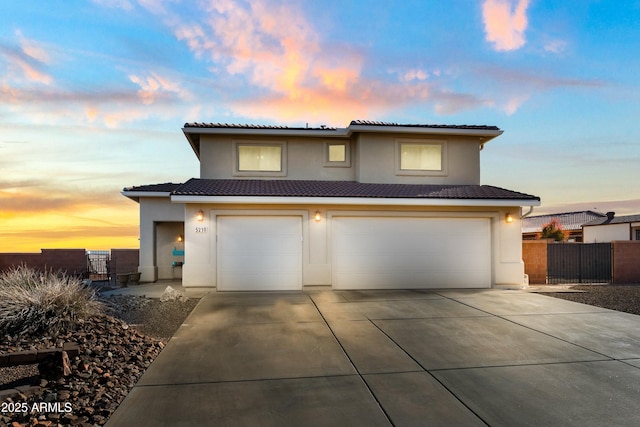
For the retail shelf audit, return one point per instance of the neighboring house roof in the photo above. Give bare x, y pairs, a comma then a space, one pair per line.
569, 220
193, 130
295, 188
614, 220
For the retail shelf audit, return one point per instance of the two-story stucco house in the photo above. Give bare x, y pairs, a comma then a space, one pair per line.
370, 206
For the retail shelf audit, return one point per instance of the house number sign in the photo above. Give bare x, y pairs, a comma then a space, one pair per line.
201, 229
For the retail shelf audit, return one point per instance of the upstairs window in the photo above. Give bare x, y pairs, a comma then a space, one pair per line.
336, 154
259, 158
418, 157
421, 157
254, 159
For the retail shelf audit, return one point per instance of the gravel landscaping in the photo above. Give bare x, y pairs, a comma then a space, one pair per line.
115, 350
615, 297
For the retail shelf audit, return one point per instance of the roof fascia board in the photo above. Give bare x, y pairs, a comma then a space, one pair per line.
195, 145
131, 194
352, 201
324, 133
487, 133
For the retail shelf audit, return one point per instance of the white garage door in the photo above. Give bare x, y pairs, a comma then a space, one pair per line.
404, 253
259, 253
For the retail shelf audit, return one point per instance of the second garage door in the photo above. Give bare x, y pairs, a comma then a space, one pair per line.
405, 253
259, 253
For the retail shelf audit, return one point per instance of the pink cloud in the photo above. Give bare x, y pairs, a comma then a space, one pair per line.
27, 61
505, 24
279, 51
156, 86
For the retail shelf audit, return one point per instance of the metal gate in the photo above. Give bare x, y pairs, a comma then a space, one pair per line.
579, 263
98, 265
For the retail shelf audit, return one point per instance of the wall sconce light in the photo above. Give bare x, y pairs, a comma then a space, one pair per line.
317, 216
508, 218
200, 215
180, 238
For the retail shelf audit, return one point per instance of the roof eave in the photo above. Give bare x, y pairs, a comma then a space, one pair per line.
379, 201
135, 195
325, 133
487, 134
194, 140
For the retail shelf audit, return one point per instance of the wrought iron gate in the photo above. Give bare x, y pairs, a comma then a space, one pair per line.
579, 263
98, 265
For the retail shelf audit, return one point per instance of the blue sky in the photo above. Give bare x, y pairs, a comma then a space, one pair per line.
93, 94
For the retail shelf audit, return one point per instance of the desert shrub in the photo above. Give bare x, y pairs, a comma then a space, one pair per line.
553, 230
34, 303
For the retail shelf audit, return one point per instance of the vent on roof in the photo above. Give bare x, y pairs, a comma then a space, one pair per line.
610, 215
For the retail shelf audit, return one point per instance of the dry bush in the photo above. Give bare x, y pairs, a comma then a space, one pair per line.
34, 303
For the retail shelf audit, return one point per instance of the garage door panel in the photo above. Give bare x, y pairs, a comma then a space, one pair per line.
259, 253
271, 263
388, 253
256, 282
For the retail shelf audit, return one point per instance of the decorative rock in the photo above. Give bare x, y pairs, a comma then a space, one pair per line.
171, 294
110, 361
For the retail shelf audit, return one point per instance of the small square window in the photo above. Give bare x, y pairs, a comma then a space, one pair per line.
337, 153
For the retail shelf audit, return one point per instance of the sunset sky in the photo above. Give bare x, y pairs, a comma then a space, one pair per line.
93, 95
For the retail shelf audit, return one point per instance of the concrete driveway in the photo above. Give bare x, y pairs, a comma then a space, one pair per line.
403, 358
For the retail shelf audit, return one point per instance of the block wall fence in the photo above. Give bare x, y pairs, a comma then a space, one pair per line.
626, 261
72, 261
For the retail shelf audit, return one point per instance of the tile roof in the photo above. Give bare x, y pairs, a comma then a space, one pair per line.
568, 220
325, 128
250, 126
376, 123
615, 220
166, 187
291, 188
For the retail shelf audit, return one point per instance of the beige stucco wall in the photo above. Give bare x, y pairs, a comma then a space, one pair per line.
605, 233
377, 160
152, 211
304, 159
200, 238
373, 159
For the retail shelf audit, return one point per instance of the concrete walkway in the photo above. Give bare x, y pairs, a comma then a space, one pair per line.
403, 358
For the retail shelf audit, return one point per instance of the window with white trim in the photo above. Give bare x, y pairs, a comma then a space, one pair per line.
420, 157
337, 154
259, 159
